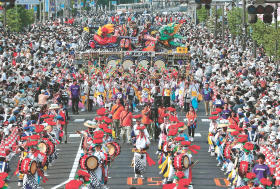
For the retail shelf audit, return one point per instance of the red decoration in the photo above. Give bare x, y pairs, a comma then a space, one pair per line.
35, 137
179, 139
83, 173
219, 110
103, 125
180, 124
171, 109
266, 182
242, 140
107, 130
248, 146
98, 134
169, 186
214, 117
108, 120
251, 175
214, 113
101, 111
141, 128
234, 133
39, 128
2, 183
3, 176
98, 118
73, 184
185, 143
173, 132
97, 141
184, 182
32, 143
180, 174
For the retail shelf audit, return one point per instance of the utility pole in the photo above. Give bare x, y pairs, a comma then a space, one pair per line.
40, 11
5, 17
244, 25
80, 8
216, 20
223, 22
276, 29
44, 7
195, 16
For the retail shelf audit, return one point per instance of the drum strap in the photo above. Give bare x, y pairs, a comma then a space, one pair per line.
115, 110
41, 174
125, 116
103, 172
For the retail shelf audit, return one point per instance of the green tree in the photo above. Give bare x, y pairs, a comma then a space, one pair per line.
13, 19
18, 18
265, 35
212, 20
202, 14
27, 16
234, 17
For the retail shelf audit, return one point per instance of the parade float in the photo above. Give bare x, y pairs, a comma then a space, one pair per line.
127, 45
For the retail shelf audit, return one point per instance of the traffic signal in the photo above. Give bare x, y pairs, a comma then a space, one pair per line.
252, 18
251, 9
260, 9
267, 18
266, 10
11, 2
206, 2
207, 6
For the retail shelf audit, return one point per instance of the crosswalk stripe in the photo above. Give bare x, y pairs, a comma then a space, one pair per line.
74, 135
197, 135
205, 120
79, 120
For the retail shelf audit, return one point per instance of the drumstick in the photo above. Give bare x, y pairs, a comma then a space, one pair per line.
194, 163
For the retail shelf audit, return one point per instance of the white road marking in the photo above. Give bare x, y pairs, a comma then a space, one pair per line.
79, 120
197, 135
74, 167
74, 135
205, 120
72, 142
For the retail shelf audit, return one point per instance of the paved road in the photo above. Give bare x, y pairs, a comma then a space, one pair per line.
205, 175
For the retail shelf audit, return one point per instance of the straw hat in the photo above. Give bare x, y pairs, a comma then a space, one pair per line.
222, 125
54, 106
48, 128
183, 128
91, 124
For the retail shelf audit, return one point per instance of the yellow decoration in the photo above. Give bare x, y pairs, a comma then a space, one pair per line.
86, 29
113, 134
209, 140
194, 93
182, 50
200, 98
109, 27
168, 169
